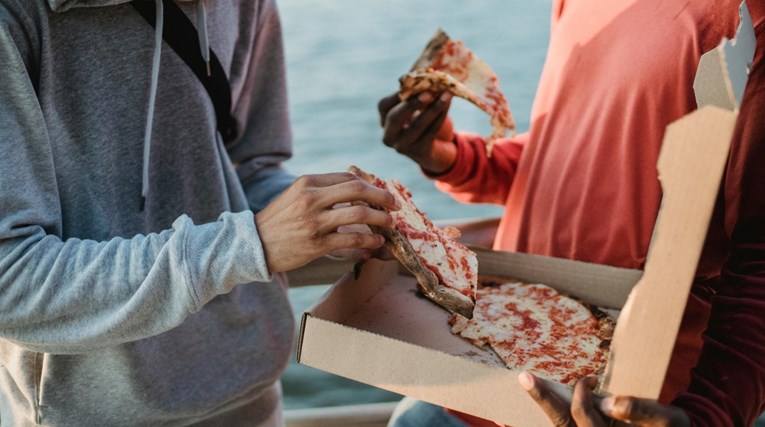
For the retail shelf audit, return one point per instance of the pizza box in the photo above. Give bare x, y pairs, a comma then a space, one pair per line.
376, 328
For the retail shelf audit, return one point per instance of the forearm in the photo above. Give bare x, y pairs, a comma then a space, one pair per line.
477, 178
728, 384
77, 295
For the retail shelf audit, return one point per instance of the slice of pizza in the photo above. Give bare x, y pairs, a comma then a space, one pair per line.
447, 65
446, 270
533, 327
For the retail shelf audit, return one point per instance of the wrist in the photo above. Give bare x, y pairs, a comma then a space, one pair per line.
441, 160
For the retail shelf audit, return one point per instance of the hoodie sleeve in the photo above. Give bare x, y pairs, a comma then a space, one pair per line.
261, 108
69, 295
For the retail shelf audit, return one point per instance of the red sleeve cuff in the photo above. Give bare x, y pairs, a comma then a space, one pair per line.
462, 169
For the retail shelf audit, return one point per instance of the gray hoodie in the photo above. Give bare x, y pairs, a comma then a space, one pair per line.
112, 315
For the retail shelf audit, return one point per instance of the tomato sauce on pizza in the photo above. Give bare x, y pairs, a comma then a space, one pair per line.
445, 269
533, 327
447, 65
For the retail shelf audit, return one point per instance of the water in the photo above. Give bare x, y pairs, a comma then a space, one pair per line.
342, 57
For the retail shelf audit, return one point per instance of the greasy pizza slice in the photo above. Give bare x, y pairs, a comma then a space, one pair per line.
446, 270
533, 327
447, 65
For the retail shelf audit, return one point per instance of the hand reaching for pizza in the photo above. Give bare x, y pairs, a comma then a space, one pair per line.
420, 129
302, 223
587, 410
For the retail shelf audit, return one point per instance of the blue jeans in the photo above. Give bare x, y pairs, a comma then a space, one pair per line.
416, 413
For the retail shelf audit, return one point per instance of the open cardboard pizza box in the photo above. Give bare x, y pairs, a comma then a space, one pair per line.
377, 329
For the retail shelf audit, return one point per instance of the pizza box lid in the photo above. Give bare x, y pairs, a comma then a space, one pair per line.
378, 330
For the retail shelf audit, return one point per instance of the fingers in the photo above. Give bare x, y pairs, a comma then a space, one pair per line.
643, 411
358, 190
556, 409
582, 403
385, 105
324, 179
414, 121
333, 219
327, 190
353, 241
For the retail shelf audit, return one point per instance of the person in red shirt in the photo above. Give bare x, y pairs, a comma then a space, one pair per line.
735, 256
582, 182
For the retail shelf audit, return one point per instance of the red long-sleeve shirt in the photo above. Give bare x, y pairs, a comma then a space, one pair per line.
582, 183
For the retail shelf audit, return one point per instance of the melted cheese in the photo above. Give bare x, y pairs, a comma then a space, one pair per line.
533, 327
454, 264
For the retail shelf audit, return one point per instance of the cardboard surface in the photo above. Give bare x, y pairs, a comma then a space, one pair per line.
380, 331
690, 169
724, 71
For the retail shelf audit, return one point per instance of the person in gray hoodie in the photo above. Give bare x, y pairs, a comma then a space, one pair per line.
141, 256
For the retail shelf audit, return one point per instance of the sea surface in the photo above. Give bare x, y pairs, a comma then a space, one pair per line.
342, 57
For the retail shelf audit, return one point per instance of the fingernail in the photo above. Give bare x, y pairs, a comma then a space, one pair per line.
607, 405
446, 96
526, 381
397, 202
425, 97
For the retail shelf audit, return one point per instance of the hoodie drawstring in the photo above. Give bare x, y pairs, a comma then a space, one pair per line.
204, 46
152, 99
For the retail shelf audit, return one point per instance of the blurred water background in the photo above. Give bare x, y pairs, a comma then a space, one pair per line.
342, 57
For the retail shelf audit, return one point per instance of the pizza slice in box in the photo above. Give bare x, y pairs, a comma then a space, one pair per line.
533, 327
447, 65
445, 269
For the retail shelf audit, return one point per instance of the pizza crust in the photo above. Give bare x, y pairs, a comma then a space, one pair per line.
428, 282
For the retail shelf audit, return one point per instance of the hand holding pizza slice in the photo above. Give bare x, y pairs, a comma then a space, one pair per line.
447, 65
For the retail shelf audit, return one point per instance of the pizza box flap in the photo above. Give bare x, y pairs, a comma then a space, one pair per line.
724, 71
690, 166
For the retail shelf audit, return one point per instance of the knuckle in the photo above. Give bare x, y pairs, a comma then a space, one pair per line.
310, 226
304, 181
390, 220
307, 197
347, 176
355, 240
358, 186
358, 215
